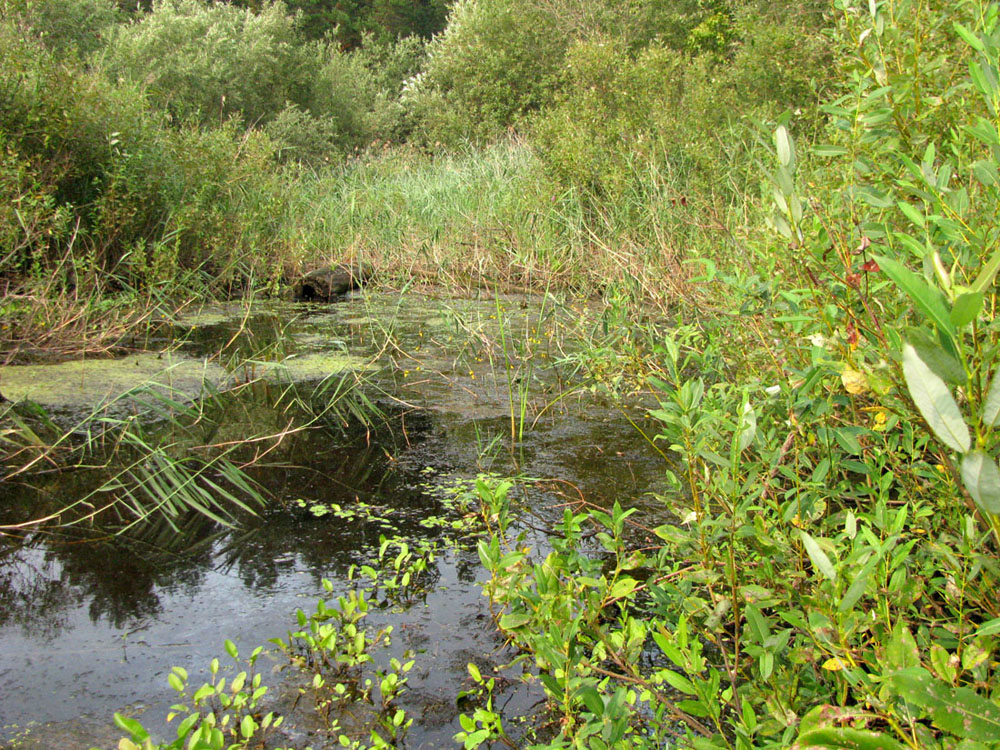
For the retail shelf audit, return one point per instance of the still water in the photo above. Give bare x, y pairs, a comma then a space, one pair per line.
91, 622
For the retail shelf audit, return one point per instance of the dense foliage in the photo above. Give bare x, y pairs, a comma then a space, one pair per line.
789, 210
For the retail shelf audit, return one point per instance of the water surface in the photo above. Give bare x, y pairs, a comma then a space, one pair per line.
91, 623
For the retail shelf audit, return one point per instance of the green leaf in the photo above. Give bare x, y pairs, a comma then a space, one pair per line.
819, 559
845, 738
930, 301
747, 428
679, 682
515, 620
848, 440
175, 682
983, 130
971, 39
783, 141
960, 711
985, 279
185, 727
758, 623
858, 586
131, 726
982, 479
941, 662
966, 309
231, 648
936, 357
991, 406
916, 248
550, 683
874, 197
203, 692
912, 213
623, 587
825, 149
592, 700
935, 402
247, 727
902, 652
988, 628
986, 173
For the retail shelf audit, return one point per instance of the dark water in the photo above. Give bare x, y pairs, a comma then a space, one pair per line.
91, 623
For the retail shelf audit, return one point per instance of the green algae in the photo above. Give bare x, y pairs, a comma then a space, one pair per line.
314, 366
210, 316
91, 382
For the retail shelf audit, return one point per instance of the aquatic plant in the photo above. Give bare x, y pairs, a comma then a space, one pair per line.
159, 448
220, 714
333, 651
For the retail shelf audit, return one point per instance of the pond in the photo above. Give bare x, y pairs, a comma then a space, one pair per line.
91, 622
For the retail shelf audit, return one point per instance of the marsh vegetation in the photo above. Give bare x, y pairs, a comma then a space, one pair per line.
681, 342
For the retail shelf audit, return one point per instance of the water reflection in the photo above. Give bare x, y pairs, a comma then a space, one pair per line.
120, 578
71, 602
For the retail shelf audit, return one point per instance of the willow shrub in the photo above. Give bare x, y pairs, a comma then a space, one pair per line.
829, 577
495, 61
103, 182
621, 108
67, 26
211, 61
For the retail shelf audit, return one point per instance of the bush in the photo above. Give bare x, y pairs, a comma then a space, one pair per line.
615, 110
67, 26
211, 62
30, 218
87, 169
349, 22
622, 111
71, 127
496, 61
300, 137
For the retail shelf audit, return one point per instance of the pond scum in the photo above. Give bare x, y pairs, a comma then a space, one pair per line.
789, 212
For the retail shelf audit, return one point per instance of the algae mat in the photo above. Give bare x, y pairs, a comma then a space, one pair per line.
95, 382
92, 382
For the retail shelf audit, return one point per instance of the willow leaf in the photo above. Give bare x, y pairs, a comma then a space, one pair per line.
935, 402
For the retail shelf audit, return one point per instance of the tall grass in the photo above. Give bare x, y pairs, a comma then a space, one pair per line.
491, 215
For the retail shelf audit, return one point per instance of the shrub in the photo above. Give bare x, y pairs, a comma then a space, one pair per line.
213, 61
299, 136
350, 21
496, 61
30, 217
67, 25
87, 168
622, 111
613, 111
71, 127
